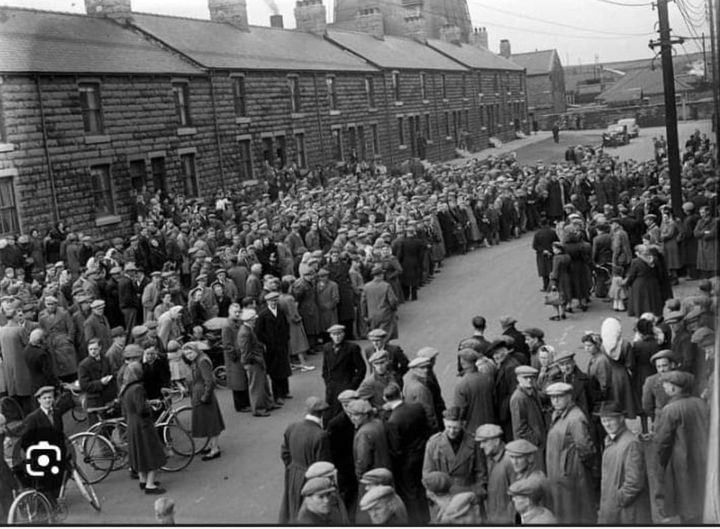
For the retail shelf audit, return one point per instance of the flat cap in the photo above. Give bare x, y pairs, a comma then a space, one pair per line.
377, 333
674, 316
315, 404
139, 331
347, 395
459, 506
173, 345
609, 409
115, 270
695, 313
564, 356
665, 353
451, 414
379, 356
336, 328
488, 431
151, 325
521, 447
45, 389
558, 388
526, 371
377, 476
359, 406
248, 314
272, 295
317, 486
117, 331
419, 361
130, 267
97, 304
468, 355
501, 342
319, 469
132, 351
680, 379
530, 486
535, 333
376, 270
506, 321
703, 336
427, 352
437, 482
375, 496
50, 299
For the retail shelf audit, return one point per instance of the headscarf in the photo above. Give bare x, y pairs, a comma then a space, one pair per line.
611, 335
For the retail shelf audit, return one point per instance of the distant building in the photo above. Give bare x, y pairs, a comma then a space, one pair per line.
545, 80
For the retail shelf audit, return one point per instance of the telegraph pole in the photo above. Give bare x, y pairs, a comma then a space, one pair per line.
665, 44
714, 49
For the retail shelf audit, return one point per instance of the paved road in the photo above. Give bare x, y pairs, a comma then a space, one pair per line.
245, 484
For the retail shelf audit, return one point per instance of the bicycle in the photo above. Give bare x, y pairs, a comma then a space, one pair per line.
12, 411
33, 506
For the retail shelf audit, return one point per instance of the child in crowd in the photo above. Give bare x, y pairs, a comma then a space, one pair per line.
618, 292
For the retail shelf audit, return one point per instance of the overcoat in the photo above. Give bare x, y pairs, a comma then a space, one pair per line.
40, 362
528, 418
90, 371
370, 447
624, 493
500, 509
98, 327
274, 332
372, 387
542, 244
341, 433
145, 449
60, 329
328, 297
339, 273
580, 253
644, 289
669, 231
561, 278
207, 420
305, 294
236, 378
706, 235
681, 437
298, 342
688, 242
466, 468
304, 443
568, 457
416, 390
410, 255
474, 395
13, 339
642, 350
380, 304
505, 383
343, 368
654, 397
620, 388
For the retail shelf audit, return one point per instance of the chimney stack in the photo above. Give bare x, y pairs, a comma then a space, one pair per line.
450, 33
479, 38
416, 26
276, 21
233, 12
107, 7
310, 16
370, 20
505, 48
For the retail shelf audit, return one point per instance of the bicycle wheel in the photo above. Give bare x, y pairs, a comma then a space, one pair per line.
11, 409
220, 376
85, 488
116, 432
94, 454
183, 418
30, 508
179, 447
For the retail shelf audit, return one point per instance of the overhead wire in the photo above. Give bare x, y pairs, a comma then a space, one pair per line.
625, 4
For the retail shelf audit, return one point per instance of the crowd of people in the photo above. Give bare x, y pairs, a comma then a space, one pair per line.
258, 283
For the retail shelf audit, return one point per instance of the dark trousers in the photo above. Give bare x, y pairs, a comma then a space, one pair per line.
240, 400
280, 387
410, 292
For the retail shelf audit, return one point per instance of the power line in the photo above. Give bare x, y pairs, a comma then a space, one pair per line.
561, 24
541, 32
624, 4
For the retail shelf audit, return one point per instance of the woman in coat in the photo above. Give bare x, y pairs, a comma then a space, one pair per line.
620, 354
643, 348
580, 253
669, 232
207, 420
146, 452
560, 279
706, 234
643, 284
298, 344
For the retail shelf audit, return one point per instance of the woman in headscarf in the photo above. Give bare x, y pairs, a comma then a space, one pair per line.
146, 452
619, 353
207, 420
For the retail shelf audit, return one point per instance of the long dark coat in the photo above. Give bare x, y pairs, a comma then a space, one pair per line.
505, 384
528, 419
341, 433
681, 437
542, 243
40, 364
561, 278
304, 443
410, 255
408, 431
112, 303
343, 368
145, 449
569, 455
644, 289
624, 493
370, 447
466, 467
90, 371
236, 378
707, 242
304, 293
207, 420
620, 388
474, 395
379, 305
580, 258
274, 332
339, 272
688, 242
642, 368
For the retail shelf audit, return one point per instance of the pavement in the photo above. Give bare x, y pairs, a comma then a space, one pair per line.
245, 485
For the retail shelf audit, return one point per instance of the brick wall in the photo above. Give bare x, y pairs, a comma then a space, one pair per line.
546, 92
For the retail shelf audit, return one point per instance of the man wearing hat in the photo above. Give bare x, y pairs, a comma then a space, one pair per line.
398, 362
462, 510
327, 295
370, 446
341, 433
114, 354
59, 332
252, 356
236, 378
381, 477
304, 443
379, 303
303, 290
110, 293
474, 392
499, 473
624, 491
654, 397
343, 367
416, 389
569, 372
372, 387
96, 379
526, 497
526, 412
273, 331
681, 438
128, 296
453, 451
151, 295
97, 326
380, 504
570, 455
317, 496
521, 351
505, 381
542, 245
437, 488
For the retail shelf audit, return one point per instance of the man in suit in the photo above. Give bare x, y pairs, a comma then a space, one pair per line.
407, 431
96, 378
341, 433
128, 295
252, 356
40, 362
236, 378
542, 244
474, 393
410, 251
343, 367
398, 362
273, 331
97, 326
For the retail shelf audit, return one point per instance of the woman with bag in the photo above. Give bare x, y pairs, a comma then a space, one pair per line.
561, 291
207, 420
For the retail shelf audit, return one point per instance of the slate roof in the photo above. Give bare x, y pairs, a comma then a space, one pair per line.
472, 56
221, 46
393, 52
52, 42
641, 83
535, 62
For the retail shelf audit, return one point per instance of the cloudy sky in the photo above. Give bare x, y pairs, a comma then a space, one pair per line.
581, 30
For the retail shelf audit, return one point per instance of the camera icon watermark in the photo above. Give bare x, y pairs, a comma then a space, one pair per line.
43, 460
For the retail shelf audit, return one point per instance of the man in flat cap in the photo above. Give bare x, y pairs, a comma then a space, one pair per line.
462, 509
304, 443
521, 351
379, 502
372, 387
526, 497
252, 356
570, 455
97, 326
96, 379
569, 372
379, 303
526, 411
681, 438
654, 397
325, 469
317, 496
343, 367
273, 331
416, 389
341, 433
129, 297
236, 377
505, 381
370, 445
59, 332
489, 438
437, 488
474, 392
398, 361
624, 492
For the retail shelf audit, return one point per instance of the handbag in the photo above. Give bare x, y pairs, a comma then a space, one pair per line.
553, 298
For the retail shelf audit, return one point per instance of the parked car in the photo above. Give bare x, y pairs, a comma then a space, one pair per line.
615, 135
632, 127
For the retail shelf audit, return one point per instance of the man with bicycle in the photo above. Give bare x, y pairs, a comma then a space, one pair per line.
96, 379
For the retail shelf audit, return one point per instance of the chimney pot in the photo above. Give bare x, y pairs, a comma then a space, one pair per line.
233, 12
505, 48
276, 21
310, 16
107, 7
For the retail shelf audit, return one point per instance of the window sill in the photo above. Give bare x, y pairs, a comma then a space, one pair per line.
426, 101
242, 121
483, 128
108, 220
430, 142
399, 103
98, 138
250, 183
335, 112
186, 131
448, 138
372, 109
465, 99
7, 147
445, 100
402, 147
297, 115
